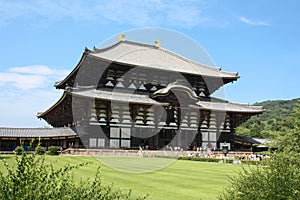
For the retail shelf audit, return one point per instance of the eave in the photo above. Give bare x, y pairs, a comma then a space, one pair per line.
60, 84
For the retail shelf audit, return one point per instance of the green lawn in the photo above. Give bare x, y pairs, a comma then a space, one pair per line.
177, 180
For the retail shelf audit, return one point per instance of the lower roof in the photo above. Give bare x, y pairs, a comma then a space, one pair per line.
230, 107
257, 141
117, 96
37, 132
122, 97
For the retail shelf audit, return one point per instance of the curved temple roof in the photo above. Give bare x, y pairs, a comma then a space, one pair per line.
138, 54
230, 107
117, 96
114, 96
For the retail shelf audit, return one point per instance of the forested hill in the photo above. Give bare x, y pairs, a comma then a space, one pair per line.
278, 114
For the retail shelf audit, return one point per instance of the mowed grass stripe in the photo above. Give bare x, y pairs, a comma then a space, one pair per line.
135, 165
179, 180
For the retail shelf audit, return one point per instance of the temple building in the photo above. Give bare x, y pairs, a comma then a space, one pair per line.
132, 95
62, 137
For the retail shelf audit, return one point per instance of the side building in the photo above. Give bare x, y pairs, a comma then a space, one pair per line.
63, 137
131, 94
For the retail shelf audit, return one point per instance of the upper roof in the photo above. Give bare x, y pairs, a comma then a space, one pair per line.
128, 53
150, 56
37, 132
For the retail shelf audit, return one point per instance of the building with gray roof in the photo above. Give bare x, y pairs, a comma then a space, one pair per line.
132, 95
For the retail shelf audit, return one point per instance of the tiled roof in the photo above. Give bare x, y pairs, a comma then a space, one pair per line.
145, 99
230, 107
138, 54
117, 96
114, 96
252, 140
36, 132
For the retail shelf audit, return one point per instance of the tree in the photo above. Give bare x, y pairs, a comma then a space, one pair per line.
269, 123
39, 150
241, 130
19, 150
288, 140
279, 179
32, 179
52, 150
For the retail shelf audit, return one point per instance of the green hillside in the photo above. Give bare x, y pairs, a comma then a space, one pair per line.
278, 114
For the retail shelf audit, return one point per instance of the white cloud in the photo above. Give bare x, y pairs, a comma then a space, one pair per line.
20, 107
22, 81
251, 22
25, 91
155, 12
139, 13
29, 77
34, 69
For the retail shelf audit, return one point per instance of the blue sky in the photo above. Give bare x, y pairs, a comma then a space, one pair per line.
41, 41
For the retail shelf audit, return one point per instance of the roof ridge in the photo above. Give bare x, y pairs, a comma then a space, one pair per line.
188, 60
140, 44
98, 50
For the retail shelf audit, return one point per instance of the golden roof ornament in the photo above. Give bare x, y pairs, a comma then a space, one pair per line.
121, 37
158, 43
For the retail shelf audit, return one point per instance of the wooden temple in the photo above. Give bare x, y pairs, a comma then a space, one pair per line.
132, 95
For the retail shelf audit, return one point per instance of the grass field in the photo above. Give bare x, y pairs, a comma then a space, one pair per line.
177, 180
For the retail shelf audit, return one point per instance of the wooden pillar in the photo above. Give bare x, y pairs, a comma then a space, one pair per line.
50, 142
76, 142
17, 142
67, 142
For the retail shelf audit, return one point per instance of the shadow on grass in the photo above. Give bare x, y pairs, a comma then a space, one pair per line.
6, 157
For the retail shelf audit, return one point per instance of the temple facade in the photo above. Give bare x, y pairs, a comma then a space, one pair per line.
132, 95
